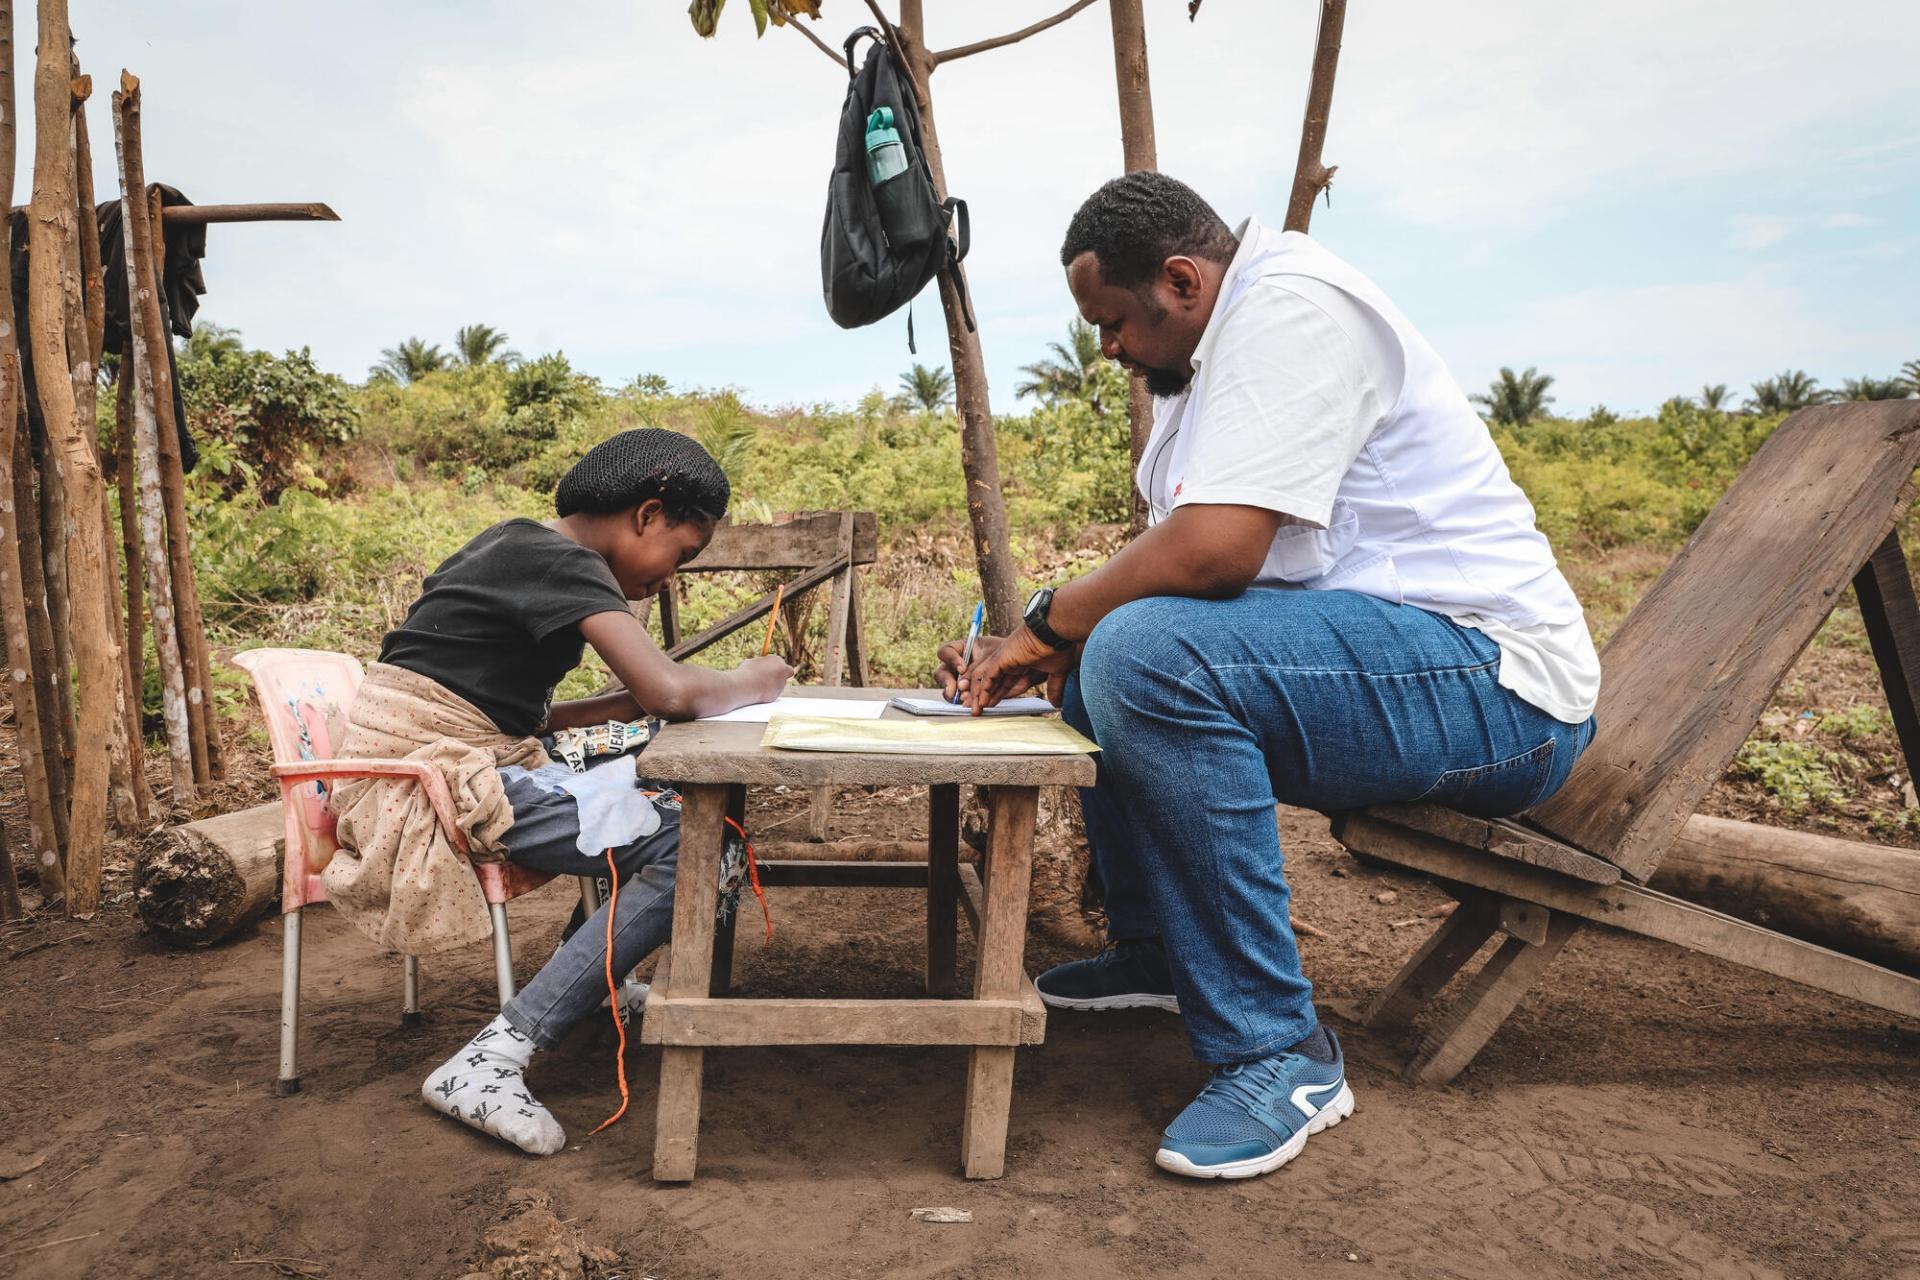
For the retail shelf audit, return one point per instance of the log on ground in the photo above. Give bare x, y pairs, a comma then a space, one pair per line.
1860, 899
196, 883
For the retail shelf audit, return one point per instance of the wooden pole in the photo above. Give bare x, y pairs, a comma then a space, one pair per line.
144, 301
186, 589
95, 297
53, 558
979, 450
42, 830
11, 907
137, 371
33, 583
54, 291
29, 635
1138, 152
128, 480
202, 214
128, 812
1310, 176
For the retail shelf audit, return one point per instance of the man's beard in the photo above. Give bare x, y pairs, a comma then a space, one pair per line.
1166, 382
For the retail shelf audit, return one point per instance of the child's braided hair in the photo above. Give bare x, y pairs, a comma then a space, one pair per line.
620, 473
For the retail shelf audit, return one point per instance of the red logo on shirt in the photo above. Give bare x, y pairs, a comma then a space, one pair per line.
1178, 487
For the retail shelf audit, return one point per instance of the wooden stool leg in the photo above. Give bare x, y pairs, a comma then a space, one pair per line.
676, 1139
943, 888
1434, 964
998, 972
722, 981
1485, 1004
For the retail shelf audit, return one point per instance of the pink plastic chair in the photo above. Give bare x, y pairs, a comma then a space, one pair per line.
304, 694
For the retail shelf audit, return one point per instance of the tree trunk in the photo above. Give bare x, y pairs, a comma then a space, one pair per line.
195, 884
33, 584
143, 355
1310, 177
1138, 152
979, 450
128, 480
53, 291
143, 275
186, 592
31, 744
94, 296
54, 527
1861, 899
122, 744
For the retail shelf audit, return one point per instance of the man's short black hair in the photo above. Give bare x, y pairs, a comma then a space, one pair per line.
1132, 225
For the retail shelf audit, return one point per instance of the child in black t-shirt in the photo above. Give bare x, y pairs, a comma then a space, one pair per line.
500, 623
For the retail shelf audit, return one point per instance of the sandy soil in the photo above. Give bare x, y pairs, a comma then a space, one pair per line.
1650, 1113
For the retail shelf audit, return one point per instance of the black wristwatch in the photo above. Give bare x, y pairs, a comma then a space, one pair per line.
1036, 619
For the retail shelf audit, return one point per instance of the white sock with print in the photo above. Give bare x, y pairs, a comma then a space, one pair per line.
485, 1085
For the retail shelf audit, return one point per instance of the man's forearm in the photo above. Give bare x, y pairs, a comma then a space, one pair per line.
1209, 552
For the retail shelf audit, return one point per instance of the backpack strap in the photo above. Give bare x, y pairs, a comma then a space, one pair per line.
962, 240
859, 33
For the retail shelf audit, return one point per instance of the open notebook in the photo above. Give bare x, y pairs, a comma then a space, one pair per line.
937, 707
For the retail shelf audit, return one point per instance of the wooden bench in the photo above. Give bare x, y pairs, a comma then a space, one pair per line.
689, 1011
1686, 679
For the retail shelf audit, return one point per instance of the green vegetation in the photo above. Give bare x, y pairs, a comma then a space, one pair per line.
322, 505
1514, 400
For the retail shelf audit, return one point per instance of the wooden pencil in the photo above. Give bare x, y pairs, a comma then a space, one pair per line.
773, 616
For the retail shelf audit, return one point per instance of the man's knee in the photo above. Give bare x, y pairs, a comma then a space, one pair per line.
1136, 657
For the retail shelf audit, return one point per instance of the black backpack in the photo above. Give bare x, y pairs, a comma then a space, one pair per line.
867, 273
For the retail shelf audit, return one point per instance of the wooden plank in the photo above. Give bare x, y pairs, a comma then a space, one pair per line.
804, 539
943, 889
856, 634
669, 619
819, 873
1429, 969
1502, 839
1643, 911
723, 930
998, 972
1527, 921
687, 972
973, 897
1033, 1013
183, 215
680, 650
712, 1022
1694, 665
1884, 589
706, 751
1486, 1002
841, 850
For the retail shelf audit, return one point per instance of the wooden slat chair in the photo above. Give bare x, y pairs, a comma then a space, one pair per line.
1686, 679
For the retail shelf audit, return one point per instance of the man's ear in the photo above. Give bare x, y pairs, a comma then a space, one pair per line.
1183, 277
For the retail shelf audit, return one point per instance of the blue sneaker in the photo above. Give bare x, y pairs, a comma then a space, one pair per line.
1253, 1117
1130, 974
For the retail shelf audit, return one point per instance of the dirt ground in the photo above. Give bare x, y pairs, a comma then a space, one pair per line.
1649, 1113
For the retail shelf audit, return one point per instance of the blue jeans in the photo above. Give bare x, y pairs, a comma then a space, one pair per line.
1208, 712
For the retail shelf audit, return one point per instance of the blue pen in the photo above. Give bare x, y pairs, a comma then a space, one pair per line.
966, 654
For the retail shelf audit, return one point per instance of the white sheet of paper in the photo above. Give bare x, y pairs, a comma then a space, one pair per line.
832, 708
1010, 707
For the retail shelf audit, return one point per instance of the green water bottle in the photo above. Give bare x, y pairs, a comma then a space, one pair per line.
885, 156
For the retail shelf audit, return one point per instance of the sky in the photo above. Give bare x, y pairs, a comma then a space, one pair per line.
1637, 198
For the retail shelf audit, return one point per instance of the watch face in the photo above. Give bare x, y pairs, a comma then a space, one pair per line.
1033, 601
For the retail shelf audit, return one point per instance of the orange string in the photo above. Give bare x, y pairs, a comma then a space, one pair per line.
753, 874
613, 994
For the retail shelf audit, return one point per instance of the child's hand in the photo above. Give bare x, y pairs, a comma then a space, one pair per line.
766, 676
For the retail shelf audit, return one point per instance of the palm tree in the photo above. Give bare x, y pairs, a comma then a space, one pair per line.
1072, 372
1910, 375
211, 341
927, 388
1871, 388
1514, 400
409, 362
1785, 392
1716, 395
478, 344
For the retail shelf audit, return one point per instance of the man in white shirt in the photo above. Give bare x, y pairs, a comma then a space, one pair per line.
1342, 601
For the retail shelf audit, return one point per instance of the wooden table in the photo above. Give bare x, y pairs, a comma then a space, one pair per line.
688, 1011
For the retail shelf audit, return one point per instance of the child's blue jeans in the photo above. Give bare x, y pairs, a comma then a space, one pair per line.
1208, 712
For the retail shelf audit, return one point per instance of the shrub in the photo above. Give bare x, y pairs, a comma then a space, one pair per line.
276, 414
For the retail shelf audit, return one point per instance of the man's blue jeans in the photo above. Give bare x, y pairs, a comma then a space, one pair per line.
1208, 712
